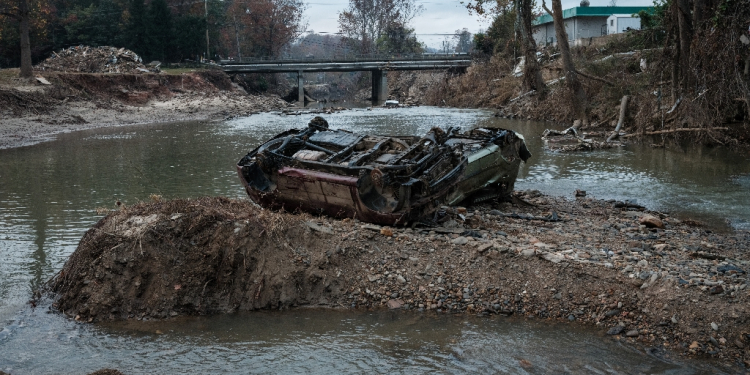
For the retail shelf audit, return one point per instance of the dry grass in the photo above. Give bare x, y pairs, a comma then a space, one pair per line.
486, 84
489, 84
7, 75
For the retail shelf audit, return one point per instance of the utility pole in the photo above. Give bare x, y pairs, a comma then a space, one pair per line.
208, 53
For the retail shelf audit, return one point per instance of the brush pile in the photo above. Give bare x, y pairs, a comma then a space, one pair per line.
85, 59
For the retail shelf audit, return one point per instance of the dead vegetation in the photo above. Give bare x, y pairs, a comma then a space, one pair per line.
19, 102
716, 112
486, 84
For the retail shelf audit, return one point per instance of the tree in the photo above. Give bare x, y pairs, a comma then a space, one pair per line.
532, 73
160, 32
580, 100
398, 39
136, 29
365, 21
189, 36
21, 13
685, 26
262, 28
464, 42
501, 35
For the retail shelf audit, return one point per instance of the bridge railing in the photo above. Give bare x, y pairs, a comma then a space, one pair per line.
350, 58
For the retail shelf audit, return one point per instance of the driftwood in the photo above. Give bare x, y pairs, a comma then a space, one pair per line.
623, 107
532, 92
676, 104
674, 131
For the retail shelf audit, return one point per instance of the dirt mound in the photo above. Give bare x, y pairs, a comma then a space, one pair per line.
189, 257
85, 59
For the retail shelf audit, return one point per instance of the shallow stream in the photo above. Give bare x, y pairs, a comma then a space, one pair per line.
49, 194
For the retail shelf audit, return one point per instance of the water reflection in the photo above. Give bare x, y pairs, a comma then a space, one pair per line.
324, 341
51, 192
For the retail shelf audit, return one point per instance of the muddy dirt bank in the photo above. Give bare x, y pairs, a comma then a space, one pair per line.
680, 287
32, 112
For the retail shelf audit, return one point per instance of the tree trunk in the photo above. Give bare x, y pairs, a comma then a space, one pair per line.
532, 73
684, 22
580, 100
24, 14
698, 9
621, 121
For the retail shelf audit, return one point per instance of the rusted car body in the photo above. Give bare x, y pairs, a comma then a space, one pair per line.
380, 179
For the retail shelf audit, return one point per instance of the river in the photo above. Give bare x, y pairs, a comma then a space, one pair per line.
51, 192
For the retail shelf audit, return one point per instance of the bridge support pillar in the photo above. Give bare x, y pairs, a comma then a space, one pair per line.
379, 87
301, 89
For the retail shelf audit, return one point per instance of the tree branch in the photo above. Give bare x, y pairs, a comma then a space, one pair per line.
678, 130
595, 78
11, 15
544, 5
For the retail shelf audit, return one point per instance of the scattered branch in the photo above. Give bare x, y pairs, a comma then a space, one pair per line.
532, 92
595, 78
674, 131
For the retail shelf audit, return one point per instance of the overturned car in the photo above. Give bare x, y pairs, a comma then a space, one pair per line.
381, 179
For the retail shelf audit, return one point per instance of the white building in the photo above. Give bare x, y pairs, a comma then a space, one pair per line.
619, 23
585, 22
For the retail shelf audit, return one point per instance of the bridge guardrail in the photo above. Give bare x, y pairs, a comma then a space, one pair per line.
349, 58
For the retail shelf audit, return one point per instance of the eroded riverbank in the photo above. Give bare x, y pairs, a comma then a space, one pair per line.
32, 112
682, 288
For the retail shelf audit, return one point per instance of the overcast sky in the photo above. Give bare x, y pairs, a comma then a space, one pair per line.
439, 17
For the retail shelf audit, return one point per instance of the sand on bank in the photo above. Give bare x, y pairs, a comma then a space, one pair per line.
33, 112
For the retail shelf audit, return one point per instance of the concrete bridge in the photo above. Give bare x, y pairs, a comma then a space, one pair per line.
377, 65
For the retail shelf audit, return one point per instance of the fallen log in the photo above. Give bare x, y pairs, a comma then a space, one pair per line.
673, 131
623, 107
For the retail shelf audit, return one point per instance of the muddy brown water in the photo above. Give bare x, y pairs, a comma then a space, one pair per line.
49, 194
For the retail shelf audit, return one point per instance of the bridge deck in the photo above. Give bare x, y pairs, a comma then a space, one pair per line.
286, 66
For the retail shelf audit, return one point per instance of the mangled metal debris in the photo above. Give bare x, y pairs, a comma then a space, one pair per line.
381, 179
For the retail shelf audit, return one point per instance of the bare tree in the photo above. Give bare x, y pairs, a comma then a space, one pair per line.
463, 40
364, 21
580, 100
532, 74
685, 25
263, 27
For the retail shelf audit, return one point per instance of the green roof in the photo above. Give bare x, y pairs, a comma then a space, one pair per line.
592, 12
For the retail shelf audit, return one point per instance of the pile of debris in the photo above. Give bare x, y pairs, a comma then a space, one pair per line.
570, 140
85, 59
